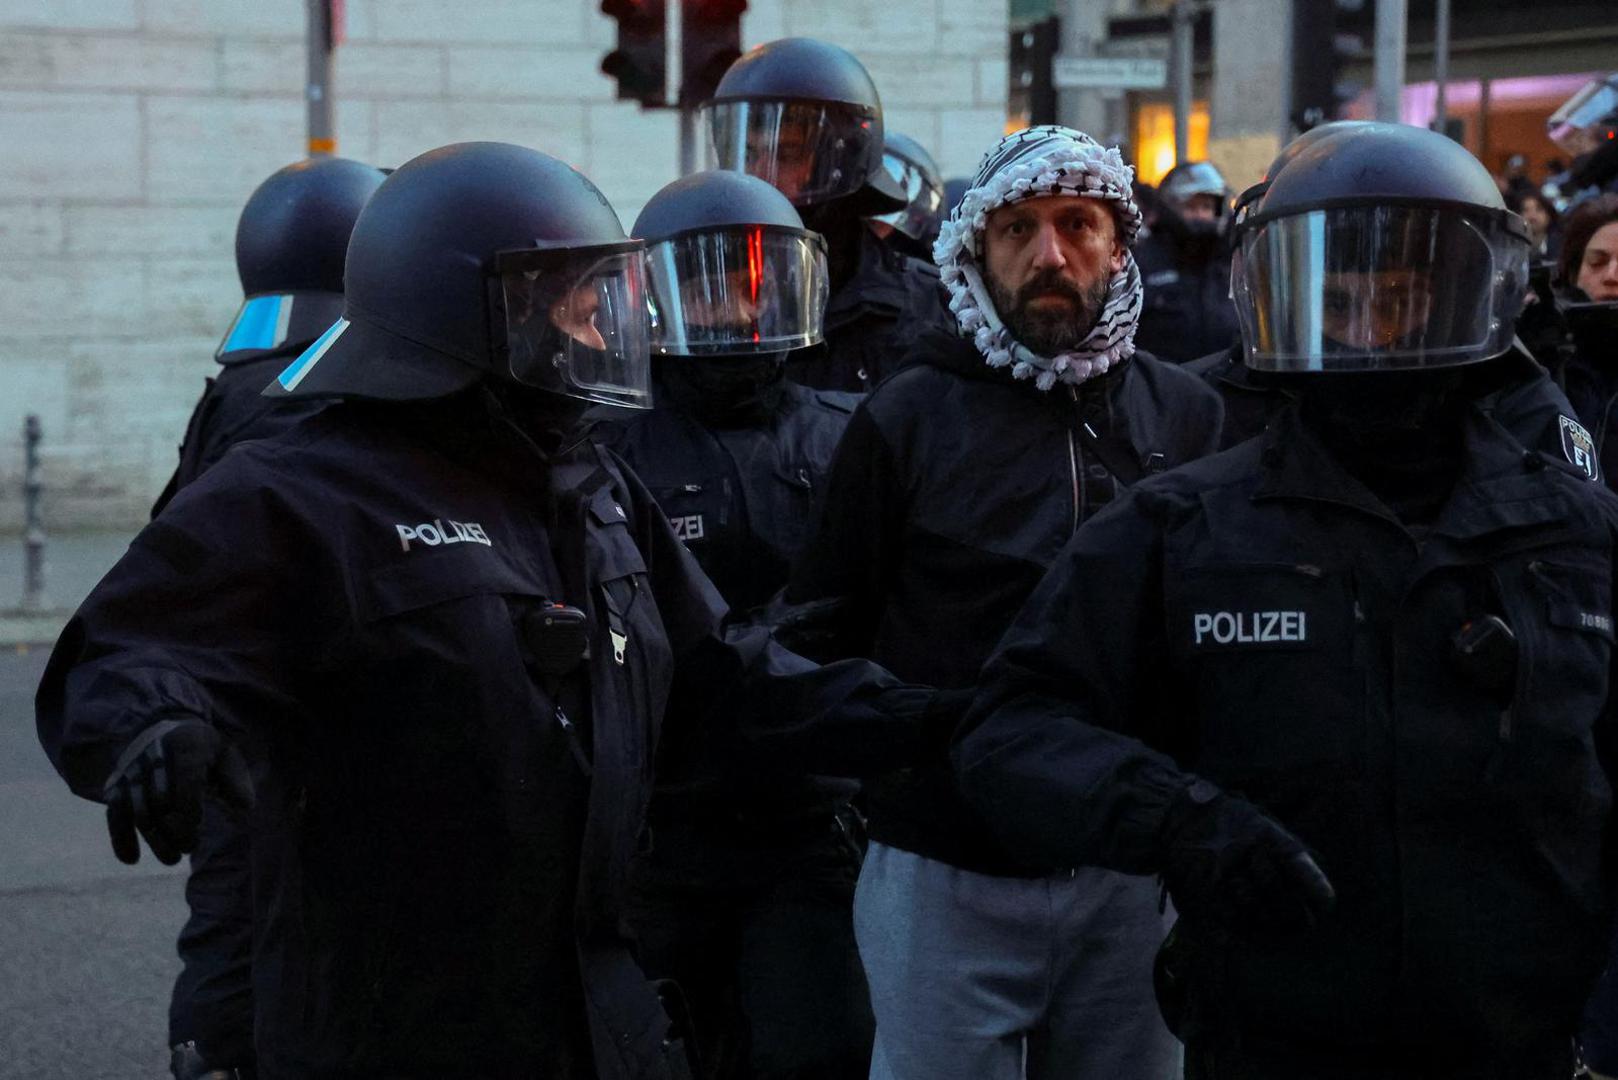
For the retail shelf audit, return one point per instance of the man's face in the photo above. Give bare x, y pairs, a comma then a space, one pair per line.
575, 315
789, 154
1202, 208
734, 306
1598, 270
1375, 310
1048, 262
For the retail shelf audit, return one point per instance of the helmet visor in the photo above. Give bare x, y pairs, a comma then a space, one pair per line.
1595, 105
1368, 287
575, 322
810, 151
748, 289
924, 197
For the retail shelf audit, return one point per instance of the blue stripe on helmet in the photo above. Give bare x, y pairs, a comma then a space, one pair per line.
304, 364
261, 324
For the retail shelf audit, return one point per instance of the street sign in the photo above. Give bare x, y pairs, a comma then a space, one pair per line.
1109, 73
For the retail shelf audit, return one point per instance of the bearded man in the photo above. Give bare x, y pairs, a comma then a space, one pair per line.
956, 484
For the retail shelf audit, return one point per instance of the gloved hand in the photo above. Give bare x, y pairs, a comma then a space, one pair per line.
158, 783
1225, 859
186, 1063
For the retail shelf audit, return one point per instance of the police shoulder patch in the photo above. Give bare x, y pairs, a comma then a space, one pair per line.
1579, 447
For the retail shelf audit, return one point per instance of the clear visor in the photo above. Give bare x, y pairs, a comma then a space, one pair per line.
923, 197
810, 151
737, 291
1573, 126
576, 324
1362, 288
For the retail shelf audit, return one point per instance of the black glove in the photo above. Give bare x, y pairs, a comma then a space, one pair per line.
1225, 859
158, 784
186, 1063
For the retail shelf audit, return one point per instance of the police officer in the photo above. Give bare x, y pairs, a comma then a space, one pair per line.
805, 116
913, 229
1185, 267
445, 632
291, 240
744, 899
1364, 658
1252, 398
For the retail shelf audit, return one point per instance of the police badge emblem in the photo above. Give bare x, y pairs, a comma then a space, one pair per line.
1578, 447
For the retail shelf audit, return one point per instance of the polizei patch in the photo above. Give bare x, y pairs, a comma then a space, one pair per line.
1579, 447
1227, 629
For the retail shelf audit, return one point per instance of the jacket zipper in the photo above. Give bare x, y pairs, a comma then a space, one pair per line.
1073, 463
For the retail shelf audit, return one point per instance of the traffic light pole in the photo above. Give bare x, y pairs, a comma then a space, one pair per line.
1441, 66
322, 135
1390, 58
1181, 45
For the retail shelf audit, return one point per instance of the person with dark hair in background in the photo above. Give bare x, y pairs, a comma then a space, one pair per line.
1543, 221
291, 240
1185, 267
445, 631
1347, 687
1576, 325
744, 896
957, 482
804, 115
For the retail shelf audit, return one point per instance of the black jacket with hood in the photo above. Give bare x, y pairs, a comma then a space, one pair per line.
952, 491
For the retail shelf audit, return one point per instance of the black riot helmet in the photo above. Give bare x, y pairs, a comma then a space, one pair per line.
914, 171
291, 241
485, 260
1380, 246
1246, 199
804, 115
1190, 180
730, 269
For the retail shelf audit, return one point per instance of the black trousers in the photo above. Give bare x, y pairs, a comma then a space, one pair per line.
757, 931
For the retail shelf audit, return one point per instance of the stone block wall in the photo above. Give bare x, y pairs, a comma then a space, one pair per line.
133, 131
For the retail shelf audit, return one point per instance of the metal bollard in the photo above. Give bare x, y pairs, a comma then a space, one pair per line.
33, 594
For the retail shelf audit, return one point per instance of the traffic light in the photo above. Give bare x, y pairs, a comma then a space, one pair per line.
1323, 43
1033, 53
710, 41
640, 62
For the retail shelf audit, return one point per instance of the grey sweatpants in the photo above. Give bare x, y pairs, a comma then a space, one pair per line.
990, 978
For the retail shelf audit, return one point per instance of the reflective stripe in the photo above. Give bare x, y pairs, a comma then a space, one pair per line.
303, 365
261, 324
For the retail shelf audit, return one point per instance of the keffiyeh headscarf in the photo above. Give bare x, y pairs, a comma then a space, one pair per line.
1035, 162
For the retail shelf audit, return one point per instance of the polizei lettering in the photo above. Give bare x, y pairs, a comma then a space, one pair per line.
689, 527
443, 531
1249, 627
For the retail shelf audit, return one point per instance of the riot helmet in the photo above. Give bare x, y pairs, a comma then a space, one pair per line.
485, 260
913, 170
1195, 198
1381, 246
804, 116
291, 240
730, 269
1587, 119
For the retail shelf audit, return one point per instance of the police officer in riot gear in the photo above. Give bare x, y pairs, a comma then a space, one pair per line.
1185, 266
1358, 711
805, 116
444, 632
291, 240
745, 897
913, 229
1251, 397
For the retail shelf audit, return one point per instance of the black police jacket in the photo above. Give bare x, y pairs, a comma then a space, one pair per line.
1186, 311
1260, 619
741, 495
233, 409
449, 795
872, 319
1250, 402
952, 491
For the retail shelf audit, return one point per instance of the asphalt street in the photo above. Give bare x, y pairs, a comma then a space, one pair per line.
86, 943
